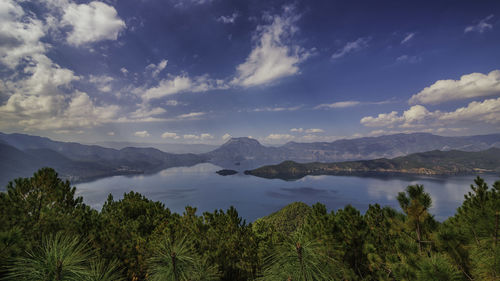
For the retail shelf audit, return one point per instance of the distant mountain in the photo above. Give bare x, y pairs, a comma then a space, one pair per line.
248, 153
24, 154
165, 147
435, 162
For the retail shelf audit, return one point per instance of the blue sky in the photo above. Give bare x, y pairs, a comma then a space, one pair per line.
200, 71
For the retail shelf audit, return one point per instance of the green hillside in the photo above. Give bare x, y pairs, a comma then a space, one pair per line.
435, 162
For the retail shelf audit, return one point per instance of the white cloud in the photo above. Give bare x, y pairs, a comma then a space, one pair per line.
172, 103
279, 137
179, 84
111, 133
226, 136
487, 111
277, 109
350, 47
20, 34
228, 19
103, 82
468, 86
474, 115
340, 104
307, 131
124, 71
168, 135
157, 68
204, 136
383, 119
481, 26
144, 112
314, 131
191, 115
142, 134
43, 98
92, 22
274, 56
408, 37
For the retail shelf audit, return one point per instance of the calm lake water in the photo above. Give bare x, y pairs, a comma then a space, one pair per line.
199, 186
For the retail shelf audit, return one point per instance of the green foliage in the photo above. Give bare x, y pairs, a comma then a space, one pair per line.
176, 261
298, 258
43, 224
58, 258
289, 218
437, 268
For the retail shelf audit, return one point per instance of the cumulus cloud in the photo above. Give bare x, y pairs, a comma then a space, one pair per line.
228, 19
297, 130
481, 26
274, 56
408, 38
142, 134
168, 135
226, 136
351, 47
92, 22
102, 82
20, 34
156, 68
383, 119
475, 114
468, 86
111, 133
124, 71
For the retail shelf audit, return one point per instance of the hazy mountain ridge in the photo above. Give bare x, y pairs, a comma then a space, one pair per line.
23, 154
249, 153
453, 162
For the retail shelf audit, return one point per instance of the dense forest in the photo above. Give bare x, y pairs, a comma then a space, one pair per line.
47, 233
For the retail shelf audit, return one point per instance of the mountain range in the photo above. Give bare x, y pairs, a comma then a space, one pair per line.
23, 154
246, 153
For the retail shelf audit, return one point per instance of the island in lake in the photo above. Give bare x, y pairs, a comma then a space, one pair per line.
435, 162
226, 172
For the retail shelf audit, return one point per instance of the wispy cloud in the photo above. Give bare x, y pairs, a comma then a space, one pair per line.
157, 68
408, 59
274, 55
408, 38
228, 19
346, 104
481, 26
351, 47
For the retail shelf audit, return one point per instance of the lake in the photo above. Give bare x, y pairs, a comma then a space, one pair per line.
199, 186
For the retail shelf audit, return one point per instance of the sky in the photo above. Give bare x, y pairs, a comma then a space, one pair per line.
203, 71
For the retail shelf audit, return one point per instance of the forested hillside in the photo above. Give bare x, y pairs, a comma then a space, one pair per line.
48, 233
453, 162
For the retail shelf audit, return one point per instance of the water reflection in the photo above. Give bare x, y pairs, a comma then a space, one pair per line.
201, 187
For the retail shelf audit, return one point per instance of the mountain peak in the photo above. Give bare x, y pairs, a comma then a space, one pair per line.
242, 141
